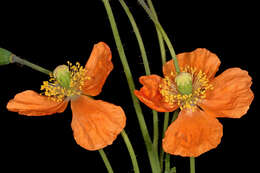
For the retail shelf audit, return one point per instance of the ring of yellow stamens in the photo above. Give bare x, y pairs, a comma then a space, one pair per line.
56, 92
200, 84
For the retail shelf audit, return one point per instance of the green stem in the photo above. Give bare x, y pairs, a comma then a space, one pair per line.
192, 164
106, 161
165, 36
167, 163
168, 156
138, 36
170, 47
131, 152
162, 34
175, 115
163, 57
159, 35
165, 125
29, 64
146, 66
173, 170
153, 158
155, 132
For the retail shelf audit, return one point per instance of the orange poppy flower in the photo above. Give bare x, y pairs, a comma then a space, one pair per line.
95, 123
196, 130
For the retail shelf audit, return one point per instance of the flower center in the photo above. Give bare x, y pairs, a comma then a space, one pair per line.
185, 89
65, 82
184, 83
62, 75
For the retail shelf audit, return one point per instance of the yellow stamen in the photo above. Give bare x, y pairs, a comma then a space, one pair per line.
57, 92
200, 85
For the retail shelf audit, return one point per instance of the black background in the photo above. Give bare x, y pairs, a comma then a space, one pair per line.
49, 34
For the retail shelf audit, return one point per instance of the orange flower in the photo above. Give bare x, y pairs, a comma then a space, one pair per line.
196, 130
95, 123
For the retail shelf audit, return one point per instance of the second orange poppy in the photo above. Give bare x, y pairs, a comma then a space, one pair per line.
196, 130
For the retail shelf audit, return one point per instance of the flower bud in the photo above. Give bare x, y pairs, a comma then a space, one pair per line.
62, 75
184, 83
5, 57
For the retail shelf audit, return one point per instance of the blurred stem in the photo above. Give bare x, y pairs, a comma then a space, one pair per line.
29, 64
146, 66
192, 164
106, 161
175, 115
153, 158
173, 170
167, 163
131, 151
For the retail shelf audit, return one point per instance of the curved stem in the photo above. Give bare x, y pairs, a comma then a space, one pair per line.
29, 64
131, 151
106, 161
154, 161
160, 28
163, 57
170, 47
146, 66
138, 36
159, 35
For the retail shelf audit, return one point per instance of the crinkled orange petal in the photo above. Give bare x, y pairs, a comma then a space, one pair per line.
192, 134
96, 123
231, 96
149, 94
33, 104
201, 59
98, 68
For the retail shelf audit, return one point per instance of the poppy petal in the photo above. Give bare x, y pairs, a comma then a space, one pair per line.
33, 104
231, 96
192, 134
98, 68
150, 95
201, 59
96, 123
